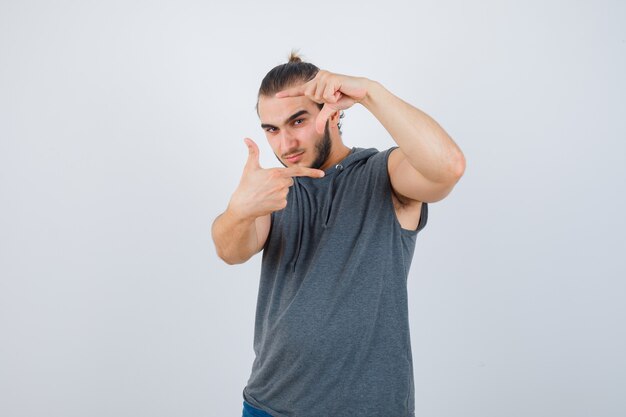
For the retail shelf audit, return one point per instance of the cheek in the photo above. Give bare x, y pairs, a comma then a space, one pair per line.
310, 136
275, 145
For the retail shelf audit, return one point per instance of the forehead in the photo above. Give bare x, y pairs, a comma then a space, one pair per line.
275, 111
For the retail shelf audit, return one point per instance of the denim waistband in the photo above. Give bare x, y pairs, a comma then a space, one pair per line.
250, 411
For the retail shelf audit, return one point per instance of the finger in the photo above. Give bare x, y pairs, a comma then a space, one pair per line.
303, 172
292, 92
319, 92
309, 91
331, 94
322, 117
253, 154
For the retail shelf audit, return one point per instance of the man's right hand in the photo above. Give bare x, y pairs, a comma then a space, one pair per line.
263, 191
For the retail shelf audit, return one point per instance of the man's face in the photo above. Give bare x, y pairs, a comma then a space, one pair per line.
289, 125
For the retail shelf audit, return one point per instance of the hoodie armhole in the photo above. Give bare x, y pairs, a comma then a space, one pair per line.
269, 232
423, 218
424, 206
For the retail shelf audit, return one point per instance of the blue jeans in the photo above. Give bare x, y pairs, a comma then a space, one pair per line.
249, 411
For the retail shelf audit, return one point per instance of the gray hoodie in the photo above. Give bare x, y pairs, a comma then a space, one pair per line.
332, 332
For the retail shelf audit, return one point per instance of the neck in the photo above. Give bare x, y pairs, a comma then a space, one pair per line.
338, 153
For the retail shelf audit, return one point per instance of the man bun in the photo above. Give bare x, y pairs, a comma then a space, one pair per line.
294, 57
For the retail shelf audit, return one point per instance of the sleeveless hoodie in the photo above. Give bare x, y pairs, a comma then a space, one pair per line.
331, 330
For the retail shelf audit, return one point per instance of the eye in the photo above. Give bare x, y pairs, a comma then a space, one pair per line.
270, 129
298, 121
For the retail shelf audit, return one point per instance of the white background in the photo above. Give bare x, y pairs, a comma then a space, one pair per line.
121, 139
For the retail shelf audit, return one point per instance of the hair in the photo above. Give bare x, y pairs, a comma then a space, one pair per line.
284, 76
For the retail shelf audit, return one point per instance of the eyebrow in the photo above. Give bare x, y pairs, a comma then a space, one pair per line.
289, 119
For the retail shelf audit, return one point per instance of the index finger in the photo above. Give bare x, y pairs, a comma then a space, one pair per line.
303, 172
322, 117
296, 91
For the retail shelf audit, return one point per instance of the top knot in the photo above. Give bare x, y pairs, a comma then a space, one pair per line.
294, 57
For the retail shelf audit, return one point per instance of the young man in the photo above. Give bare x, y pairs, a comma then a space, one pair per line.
337, 227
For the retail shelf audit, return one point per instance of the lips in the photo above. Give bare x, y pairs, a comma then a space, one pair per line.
292, 159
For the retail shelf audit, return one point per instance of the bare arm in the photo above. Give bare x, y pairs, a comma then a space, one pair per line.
238, 239
428, 163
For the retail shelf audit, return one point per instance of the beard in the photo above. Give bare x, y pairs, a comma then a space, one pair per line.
322, 149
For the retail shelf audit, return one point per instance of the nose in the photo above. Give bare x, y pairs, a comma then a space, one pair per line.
288, 141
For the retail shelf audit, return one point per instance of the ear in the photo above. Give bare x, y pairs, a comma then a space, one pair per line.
334, 118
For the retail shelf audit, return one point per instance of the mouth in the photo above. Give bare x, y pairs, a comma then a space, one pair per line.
292, 159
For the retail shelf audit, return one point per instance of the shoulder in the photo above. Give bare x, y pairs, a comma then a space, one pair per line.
372, 159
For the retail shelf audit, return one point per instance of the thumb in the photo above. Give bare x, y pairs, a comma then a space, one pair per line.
253, 154
322, 117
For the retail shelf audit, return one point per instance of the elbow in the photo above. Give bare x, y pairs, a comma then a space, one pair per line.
457, 167
455, 171
225, 250
227, 260
230, 258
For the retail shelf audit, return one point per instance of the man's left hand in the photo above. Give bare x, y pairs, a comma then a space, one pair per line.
335, 91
